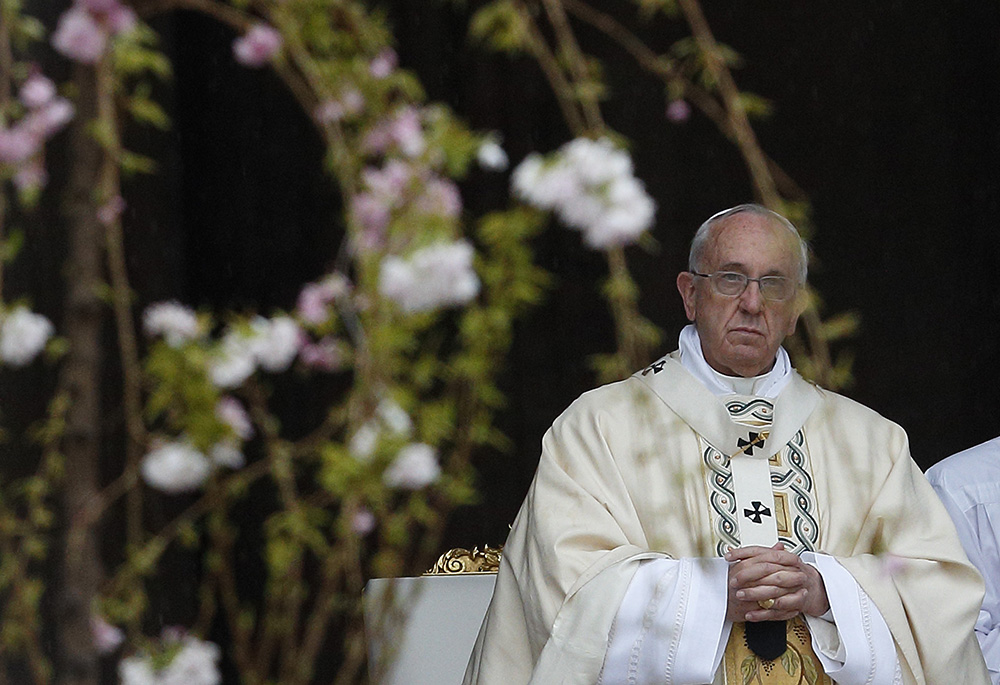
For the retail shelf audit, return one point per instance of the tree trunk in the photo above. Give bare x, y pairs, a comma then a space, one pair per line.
77, 660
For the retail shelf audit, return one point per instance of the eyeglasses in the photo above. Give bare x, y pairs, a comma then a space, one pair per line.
732, 284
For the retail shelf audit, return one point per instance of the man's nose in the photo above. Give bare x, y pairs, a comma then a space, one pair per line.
751, 300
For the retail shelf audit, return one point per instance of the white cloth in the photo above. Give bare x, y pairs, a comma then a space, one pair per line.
767, 385
622, 480
969, 485
855, 647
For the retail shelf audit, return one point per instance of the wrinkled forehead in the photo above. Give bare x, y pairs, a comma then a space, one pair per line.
754, 242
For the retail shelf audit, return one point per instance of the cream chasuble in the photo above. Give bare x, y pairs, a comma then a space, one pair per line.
626, 476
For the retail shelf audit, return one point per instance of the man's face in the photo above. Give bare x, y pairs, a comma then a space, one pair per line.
740, 335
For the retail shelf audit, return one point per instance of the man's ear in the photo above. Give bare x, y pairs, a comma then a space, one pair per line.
685, 286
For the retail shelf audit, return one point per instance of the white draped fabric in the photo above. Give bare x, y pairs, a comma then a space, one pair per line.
621, 490
857, 648
969, 485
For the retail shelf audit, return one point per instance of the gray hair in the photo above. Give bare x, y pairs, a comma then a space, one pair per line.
701, 235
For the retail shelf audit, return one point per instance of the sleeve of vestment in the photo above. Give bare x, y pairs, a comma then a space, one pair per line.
671, 625
852, 641
904, 553
571, 554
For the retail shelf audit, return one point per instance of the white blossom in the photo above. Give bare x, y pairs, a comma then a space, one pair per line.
491, 156
389, 418
230, 412
591, 187
362, 444
436, 276
195, 664
415, 466
276, 342
227, 453
175, 322
23, 335
234, 360
175, 467
107, 637
137, 670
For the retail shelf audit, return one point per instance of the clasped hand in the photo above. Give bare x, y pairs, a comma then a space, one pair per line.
757, 574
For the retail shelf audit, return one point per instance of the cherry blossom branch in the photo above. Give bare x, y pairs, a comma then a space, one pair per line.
109, 196
739, 124
577, 64
549, 64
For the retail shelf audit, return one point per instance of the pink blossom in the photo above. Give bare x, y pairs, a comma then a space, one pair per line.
230, 412
312, 304
407, 131
48, 120
17, 144
258, 47
350, 103
678, 111
383, 64
372, 215
79, 36
37, 91
121, 19
441, 197
107, 638
98, 6
363, 521
109, 212
326, 355
403, 129
390, 182
30, 177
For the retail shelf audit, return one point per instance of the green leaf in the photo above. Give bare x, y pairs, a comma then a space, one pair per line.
499, 25
147, 111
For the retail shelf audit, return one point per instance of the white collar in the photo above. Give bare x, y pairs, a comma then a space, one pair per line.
768, 385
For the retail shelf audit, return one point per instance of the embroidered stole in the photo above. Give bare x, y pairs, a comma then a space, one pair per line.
791, 510
775, 499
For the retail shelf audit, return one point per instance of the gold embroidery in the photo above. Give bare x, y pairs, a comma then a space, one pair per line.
797, 666
781, 513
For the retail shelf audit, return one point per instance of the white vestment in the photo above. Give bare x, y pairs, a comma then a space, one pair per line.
626, 476
969, 485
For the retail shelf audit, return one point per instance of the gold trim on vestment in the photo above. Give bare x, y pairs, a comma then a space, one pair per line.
797, 666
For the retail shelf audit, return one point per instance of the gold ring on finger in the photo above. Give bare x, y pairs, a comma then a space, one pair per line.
766, 603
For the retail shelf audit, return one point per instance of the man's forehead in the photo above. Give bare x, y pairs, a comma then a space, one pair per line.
744, 240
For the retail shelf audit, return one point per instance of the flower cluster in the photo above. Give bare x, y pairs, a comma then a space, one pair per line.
86, 28
258, 46
176, 323
23, 335
193, 662
415, 465
270, 344
440, 275
591, 187
394, 187
21, 143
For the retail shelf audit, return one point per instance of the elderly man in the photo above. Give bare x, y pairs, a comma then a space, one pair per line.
717, 519
969, 485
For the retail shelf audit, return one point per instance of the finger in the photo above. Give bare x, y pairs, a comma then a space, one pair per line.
757, 574
789, 580
739, 553
784, 607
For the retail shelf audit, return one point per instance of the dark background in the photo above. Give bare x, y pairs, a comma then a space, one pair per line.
887, 113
